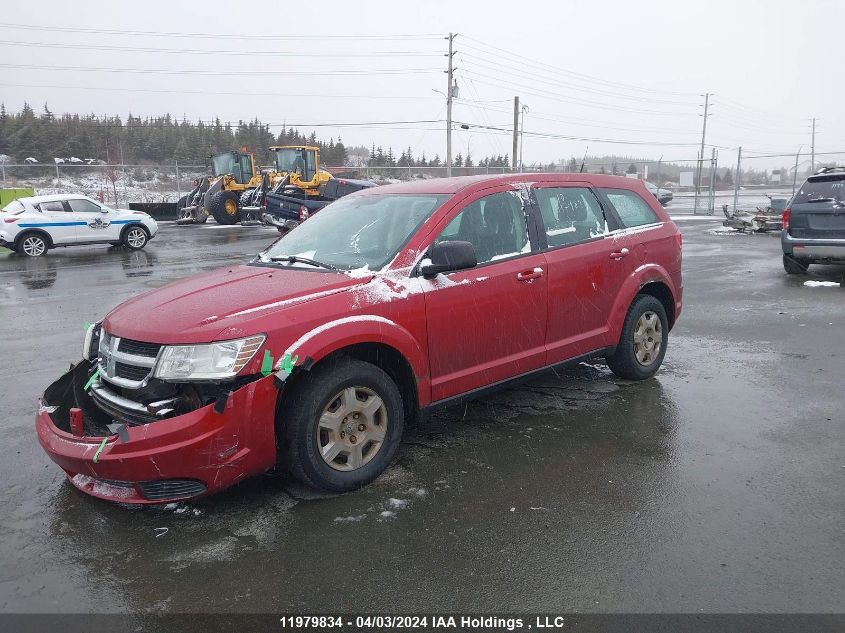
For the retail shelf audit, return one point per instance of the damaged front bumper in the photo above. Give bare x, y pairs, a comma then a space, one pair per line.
173, 458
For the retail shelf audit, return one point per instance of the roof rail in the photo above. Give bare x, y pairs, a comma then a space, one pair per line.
826, 170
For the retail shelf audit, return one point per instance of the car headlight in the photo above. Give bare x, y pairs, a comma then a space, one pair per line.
212, 361
91, 345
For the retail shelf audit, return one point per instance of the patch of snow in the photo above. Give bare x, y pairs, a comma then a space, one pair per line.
822, 284
350, 519
397, 504
388, 514
723, 230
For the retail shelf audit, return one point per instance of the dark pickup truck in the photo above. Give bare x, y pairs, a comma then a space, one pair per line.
287, 208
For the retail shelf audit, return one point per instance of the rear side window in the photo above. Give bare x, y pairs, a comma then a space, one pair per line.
570, 214
79, 205
830, 189
54, 206
632, 210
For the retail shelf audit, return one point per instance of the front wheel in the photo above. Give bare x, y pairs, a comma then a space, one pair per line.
341, 425
135, 238
642, 344
224, 207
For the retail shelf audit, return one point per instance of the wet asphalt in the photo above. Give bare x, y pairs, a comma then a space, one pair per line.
715, 487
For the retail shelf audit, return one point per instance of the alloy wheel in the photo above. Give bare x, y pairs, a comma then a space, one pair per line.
136, 238
34, 246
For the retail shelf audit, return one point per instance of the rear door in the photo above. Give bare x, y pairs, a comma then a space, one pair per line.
488, 323
58, 222
94, 224
584, 276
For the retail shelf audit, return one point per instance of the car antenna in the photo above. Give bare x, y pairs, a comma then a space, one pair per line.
584, 160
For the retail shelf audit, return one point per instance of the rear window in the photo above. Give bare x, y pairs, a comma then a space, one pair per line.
14, 207
632, 210
829, 189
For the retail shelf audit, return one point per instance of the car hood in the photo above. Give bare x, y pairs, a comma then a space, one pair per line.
222, 304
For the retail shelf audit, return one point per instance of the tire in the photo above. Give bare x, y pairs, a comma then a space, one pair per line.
32, 245
306, 439
794, 266
636, 356
246, 197
224, 207
135, 237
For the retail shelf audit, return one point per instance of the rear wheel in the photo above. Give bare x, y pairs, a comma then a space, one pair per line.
794, 266
341, 425
135, 238
224, 207
32, 245
642, 344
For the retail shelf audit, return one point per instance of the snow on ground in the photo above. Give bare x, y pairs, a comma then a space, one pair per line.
822, 284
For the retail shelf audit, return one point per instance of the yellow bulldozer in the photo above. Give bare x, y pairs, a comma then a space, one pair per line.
235, 190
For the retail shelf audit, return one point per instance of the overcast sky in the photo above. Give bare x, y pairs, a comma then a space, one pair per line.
623, 71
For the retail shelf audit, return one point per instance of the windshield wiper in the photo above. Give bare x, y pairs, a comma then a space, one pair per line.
296, 259
819, 200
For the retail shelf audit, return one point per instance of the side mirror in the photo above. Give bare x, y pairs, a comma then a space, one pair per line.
449, 256
103, 210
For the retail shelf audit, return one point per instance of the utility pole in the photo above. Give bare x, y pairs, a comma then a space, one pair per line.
521, 130
736, 175
703, 135
813, 149
449, 107
515, 131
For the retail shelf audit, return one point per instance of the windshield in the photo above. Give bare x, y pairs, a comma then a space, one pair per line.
289, 160
223, 164
830, 189
355, 232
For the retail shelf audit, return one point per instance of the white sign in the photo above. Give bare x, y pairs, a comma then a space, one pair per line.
687, 179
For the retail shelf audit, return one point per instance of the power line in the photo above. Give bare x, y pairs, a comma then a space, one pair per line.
567, 137
163, 71
230, 36
183, 51
590, 78
209, 92
549, 78
526, 89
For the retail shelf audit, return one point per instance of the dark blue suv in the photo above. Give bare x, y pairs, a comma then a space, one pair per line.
814, 222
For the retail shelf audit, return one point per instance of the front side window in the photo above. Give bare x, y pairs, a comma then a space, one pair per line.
570, 215
83, 206
54, 206
495, 225
632, 210
355, 232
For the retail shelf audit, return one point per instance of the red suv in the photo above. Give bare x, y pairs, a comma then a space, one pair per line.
389, 302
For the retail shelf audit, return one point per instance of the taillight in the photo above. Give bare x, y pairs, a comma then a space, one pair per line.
10, 220
303, 213
679, 239
787, 214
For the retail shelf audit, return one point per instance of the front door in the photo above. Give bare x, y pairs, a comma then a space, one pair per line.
95, 222
488, 323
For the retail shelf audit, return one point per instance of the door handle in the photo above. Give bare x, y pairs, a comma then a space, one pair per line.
530, 275
619, 254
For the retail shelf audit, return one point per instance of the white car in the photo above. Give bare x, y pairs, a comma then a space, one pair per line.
32, 226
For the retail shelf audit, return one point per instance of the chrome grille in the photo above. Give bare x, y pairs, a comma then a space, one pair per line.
124, 362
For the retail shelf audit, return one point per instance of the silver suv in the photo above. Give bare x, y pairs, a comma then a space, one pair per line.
814, 222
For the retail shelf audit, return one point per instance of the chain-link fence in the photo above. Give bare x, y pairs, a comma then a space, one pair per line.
115, 185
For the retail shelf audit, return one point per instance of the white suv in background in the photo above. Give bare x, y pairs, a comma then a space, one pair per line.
32, 226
